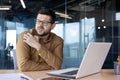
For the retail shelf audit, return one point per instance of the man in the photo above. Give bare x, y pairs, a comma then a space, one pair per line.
39, 48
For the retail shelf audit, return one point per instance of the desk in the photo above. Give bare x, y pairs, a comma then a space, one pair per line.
105, 74
33, 74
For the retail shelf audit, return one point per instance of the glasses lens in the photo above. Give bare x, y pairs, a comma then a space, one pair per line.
44, 23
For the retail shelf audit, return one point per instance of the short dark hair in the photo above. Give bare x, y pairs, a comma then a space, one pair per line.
48, 12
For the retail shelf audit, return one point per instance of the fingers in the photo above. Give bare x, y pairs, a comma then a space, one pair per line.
29, 38
27, 35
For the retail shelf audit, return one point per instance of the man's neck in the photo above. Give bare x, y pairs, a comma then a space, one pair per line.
44, 38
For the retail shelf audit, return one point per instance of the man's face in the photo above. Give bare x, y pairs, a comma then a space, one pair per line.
43, 24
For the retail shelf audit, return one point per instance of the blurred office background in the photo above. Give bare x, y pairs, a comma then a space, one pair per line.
78, 23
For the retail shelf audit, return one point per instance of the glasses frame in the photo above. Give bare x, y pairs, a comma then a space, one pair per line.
44, 23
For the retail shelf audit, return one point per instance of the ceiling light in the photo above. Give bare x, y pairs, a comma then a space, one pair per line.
5, 7
63, 15
23, 4
85, 18
103, 20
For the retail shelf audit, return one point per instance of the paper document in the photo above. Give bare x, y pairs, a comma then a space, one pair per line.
14, 76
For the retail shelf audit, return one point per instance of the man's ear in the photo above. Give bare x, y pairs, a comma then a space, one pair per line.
53, 25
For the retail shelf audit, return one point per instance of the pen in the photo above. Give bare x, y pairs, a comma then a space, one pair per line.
23, 78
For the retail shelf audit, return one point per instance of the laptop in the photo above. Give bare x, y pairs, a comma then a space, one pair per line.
92, 62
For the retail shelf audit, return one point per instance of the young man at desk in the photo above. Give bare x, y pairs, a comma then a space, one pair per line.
39, 48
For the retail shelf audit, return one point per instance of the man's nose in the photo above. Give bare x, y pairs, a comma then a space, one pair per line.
40, 25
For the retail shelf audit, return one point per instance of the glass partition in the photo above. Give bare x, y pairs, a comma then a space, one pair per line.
78, 23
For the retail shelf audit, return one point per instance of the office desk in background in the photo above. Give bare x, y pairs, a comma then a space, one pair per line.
105, 74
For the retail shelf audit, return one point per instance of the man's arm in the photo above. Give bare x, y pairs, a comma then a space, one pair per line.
55, 58
24, 60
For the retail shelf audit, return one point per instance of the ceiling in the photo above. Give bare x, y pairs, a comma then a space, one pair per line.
32, 6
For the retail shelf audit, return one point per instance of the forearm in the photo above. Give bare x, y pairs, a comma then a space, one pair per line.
29, 58
32, 66
24, 57
53, 59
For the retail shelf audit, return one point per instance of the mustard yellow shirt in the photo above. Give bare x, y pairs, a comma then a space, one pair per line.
50, 55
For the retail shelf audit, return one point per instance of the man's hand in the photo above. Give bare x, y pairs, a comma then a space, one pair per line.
32, 41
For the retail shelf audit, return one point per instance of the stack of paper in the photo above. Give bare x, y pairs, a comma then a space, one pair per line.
14, 76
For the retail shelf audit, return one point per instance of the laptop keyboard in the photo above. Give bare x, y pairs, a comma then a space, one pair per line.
71, 72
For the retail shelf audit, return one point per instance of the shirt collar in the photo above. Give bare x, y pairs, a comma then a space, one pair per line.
49, 38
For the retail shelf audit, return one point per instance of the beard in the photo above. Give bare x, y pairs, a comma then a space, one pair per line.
42, 32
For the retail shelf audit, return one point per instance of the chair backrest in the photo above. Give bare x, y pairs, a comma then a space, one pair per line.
14, 59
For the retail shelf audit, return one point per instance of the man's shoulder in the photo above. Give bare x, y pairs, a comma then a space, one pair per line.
27, 31
56, 37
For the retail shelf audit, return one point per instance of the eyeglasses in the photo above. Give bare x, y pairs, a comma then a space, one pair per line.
44, 23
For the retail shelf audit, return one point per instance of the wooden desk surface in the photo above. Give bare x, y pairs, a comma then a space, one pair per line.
105, 74
33, 74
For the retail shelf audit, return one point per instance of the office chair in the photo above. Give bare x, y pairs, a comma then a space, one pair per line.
14, 59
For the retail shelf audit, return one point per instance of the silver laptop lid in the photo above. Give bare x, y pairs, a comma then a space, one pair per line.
94, 58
